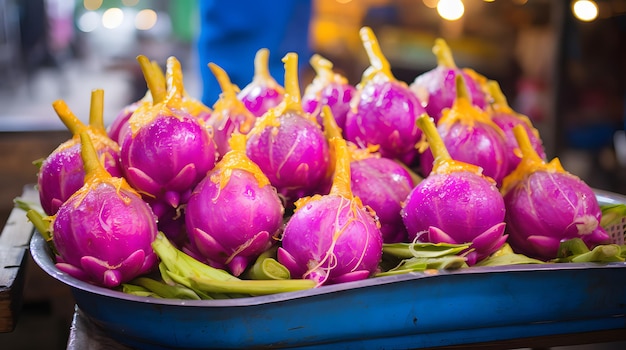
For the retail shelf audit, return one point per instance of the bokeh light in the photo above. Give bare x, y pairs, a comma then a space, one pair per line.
145, 19
112, 18
585, 10
450, 10
92, 5
88, 21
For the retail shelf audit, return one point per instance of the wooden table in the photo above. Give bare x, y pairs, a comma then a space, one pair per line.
14, 241
84, 334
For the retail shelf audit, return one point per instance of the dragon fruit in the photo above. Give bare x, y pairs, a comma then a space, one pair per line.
470, 136
234, 213
384, 110
62, 172
229, 113
332, 238
455, 204
546, 205
327, 88
436, 89
103, 232
263, 92
289, 145
506, 118
167, 151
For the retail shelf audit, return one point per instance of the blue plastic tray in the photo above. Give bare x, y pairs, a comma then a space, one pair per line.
414, 310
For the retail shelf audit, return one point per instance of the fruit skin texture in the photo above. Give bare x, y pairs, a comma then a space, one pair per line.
104, 231
545, 204
167, 157
455, 203
384, 110
62, 173
456, 208
382, 184
328, 88
331, 240
232, 225
105, 236
437, 87
294, 155
437, 90
480, 144
385, 115
549, 208
507, 122
470, 136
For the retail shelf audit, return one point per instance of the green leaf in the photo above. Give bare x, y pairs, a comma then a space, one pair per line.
508, 259
423, 250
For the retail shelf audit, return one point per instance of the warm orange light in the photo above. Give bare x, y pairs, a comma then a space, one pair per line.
430, 3
585, 10
92, 5
450, 10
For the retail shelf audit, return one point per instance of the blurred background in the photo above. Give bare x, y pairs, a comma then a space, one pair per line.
562, 63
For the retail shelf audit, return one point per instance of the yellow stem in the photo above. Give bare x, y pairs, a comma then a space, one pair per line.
91, 162
159, 77
322, 66
292, 97
73, 124
96, 110
152, 79
261, 70
174, 78
378, 61
331, 129
461, 88
499, 100
443, 53
437, 147
523, 141
341, 180
228, 90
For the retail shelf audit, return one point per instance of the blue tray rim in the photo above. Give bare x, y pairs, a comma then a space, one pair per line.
41, 255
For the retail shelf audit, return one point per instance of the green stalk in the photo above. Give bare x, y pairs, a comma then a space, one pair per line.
165, 290
251, 287
601, 253
138, 291
508, 259
266, 267
570, 247
415, 264
612, 214
41, 225
423, 250
184, 265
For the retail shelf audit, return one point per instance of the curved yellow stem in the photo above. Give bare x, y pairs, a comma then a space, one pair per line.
96, 110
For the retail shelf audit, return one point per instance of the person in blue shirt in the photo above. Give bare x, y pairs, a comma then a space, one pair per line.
231, 32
